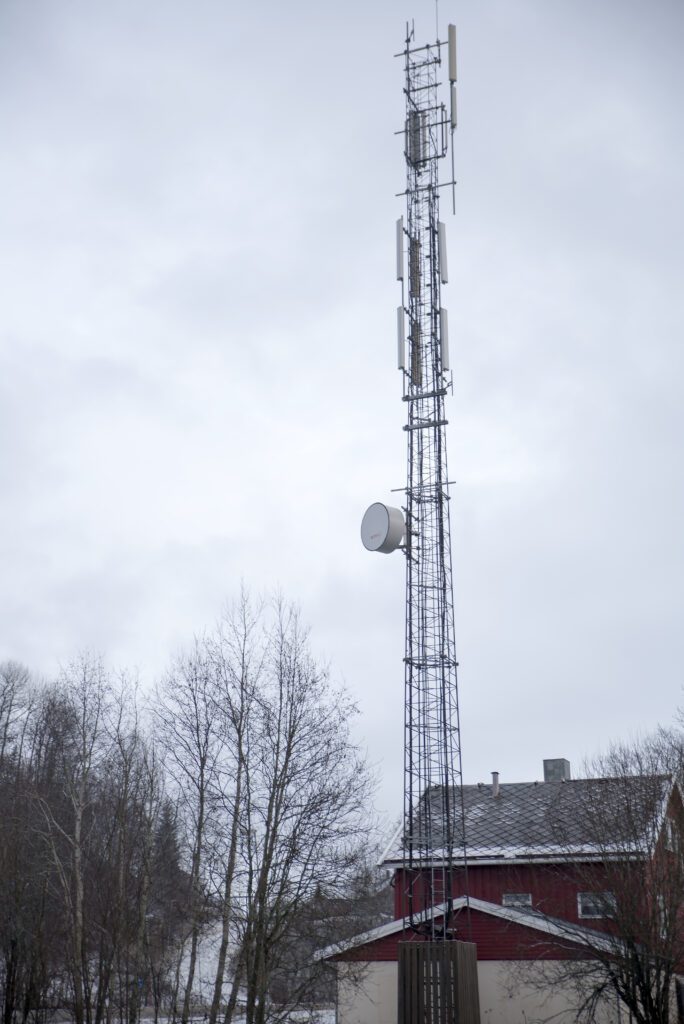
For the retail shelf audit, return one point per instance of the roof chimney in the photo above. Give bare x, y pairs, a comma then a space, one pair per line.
557, 769
495, 783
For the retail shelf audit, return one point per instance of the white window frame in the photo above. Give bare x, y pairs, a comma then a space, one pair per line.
516, 899
605, 898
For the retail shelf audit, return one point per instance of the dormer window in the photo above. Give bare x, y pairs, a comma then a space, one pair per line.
516, 899
595, 905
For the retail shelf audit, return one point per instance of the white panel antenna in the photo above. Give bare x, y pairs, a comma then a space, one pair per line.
400, 249
452, 53
441, 242
444, 338
401, 339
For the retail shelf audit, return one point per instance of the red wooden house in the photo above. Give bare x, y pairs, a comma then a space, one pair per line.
536, 886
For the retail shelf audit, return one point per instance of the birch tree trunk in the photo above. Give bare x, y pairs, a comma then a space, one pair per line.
189, 730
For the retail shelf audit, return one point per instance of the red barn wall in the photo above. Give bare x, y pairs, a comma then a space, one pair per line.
553, 887
495, 939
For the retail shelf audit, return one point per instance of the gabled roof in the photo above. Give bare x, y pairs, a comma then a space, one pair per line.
593, 818
551, 926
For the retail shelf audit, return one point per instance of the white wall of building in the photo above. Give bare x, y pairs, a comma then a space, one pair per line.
506, 999
367, 994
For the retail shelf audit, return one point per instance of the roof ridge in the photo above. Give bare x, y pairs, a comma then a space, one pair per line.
535, 919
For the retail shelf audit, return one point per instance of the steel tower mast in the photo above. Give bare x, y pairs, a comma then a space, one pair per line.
433, 807
438, 978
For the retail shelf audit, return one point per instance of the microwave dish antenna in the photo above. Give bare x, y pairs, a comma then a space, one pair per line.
382, 528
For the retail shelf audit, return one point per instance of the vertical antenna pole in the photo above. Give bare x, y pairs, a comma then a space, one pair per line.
452, 96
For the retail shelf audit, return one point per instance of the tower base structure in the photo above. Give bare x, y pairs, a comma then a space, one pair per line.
438, 983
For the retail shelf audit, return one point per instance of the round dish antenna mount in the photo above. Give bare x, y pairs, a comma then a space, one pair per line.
382, 528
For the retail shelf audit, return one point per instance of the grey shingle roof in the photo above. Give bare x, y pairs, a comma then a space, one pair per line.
526, 819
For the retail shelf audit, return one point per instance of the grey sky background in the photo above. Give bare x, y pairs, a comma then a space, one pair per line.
197, 317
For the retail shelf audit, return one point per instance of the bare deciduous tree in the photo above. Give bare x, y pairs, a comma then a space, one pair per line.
305, 812
82, 700
238, 809
633, 818
190, 733
276, 796
237, 657
80, 798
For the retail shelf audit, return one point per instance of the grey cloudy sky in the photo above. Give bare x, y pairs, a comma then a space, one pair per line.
197, 346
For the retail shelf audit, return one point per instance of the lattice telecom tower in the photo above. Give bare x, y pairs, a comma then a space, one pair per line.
433, 809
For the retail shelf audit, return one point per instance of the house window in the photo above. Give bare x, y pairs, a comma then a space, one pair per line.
516, 899
595, 904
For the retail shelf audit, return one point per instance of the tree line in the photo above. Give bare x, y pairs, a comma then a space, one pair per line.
234, 801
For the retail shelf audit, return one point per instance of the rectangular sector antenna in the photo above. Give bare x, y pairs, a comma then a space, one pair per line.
416, 368
417, 136
444, 338
454, 116
441, 244
401, 339
452, 53
414, 267
400, 249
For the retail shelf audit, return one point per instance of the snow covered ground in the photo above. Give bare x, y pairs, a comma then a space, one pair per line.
205, 974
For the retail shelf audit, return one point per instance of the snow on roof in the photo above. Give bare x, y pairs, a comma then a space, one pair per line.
596, 818
534, 919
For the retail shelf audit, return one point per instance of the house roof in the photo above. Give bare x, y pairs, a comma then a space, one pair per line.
596, 818
554, 927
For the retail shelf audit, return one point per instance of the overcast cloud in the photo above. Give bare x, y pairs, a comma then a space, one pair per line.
197, 346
